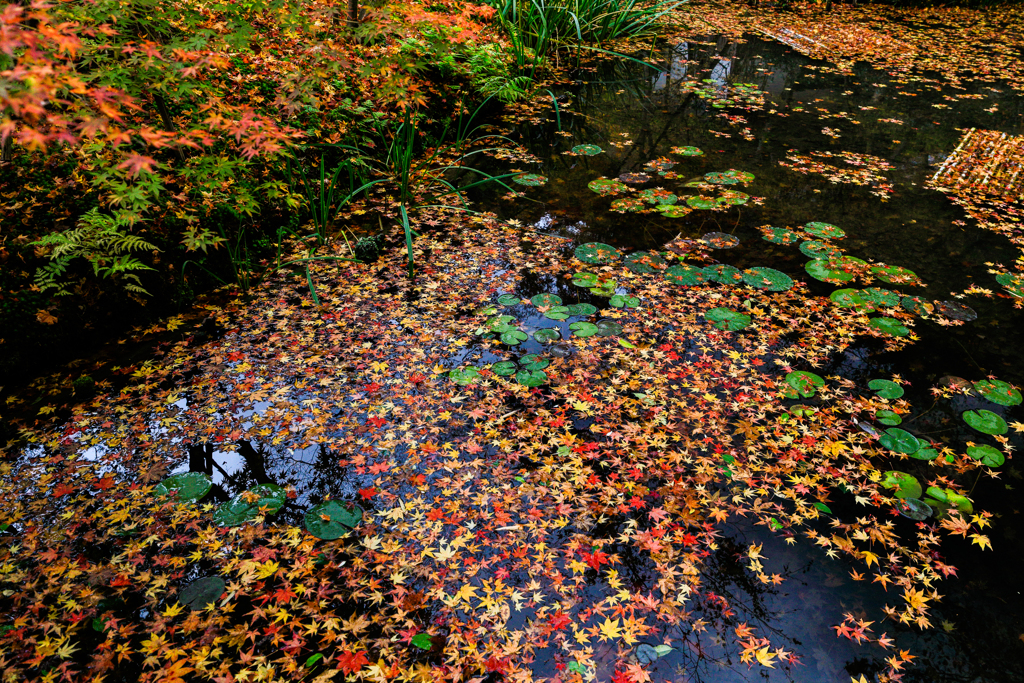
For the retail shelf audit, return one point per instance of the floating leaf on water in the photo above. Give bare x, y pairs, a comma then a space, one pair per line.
530, 179
894, 275
818, 250
557, 313
587, 150
583, 328
659, 196
497, 324
917, 305
332, 520
547, 334
487, 310
726, 319
674, 210
913, 508
687, 151
533, 361
954, 310
724, 274
421, 641
905, 485
245, 507
628, 205
645, 262
985, 421
890, 326
825, 231
625, 344
504, 368
881, 298
720, 178
720, 240
586, 279
850, 298
739, 176
597, 253
464, 376
513, 337
837, 269
608, 328
885, 388
701, 202
767, 278
605, 288
634, 178
531, 378
684, 276
189, 486
1013, 282
561, 350
888, 417
989, 456
804, 383
998, 391
943, 499
733, 198
900, 440
202, 593
623, 301
683, 246
660, 164
824, 508
607, 187
545, 299
582, 309
925, 454
780, 235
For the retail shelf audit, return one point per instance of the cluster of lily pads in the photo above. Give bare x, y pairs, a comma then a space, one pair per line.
722, 96
666, 202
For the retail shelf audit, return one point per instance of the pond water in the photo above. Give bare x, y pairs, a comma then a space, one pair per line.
888, 132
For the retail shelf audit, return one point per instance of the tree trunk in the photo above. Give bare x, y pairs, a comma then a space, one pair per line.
353, 13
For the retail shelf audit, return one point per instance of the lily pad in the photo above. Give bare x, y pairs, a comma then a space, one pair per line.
332, 520
881, 298
767, 278
634, 178
608, 328
905, 485
658, 196
851, 298
486, 310
724, 274
825, 231
684, 276
720, 178
687, 151
818, 250
545, 299
895, 275
464, 376
888, 417
989, 456
998, 391
422, 641
557, 313
780, 236
726, 319
597, 253
628, 205
607, 187
497, 325
531, 378
985, 421
661, 164
514, 337
890, 326
900, 440
925, 454
189, 486
645, 262
585, 279
943, 499
504, 368
954, 310
623, 301
701, 202
646, 654
1013, 282
720, 240
587, 150
583, 329
917, 305
530, 179
547, 334
885, 388
733, 198
245, 507
605, 288
915, 509
508, 299
582, 309
739, 176
202, 593
833, 270
533, 361
804, 383
674, 210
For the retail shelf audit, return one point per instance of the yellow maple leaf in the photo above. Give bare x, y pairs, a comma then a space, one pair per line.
610, 629
764, 657
982, 541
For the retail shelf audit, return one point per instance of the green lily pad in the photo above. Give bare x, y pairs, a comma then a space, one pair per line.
245, 507
905, 485
464, 376
818, 250
628, 205
658, 196
674, 210
888, 417
644, 262
720, 240
586, 279
881, 298
607, 187
623, 301
947, 498
508, 299
989, 456
841, 269
497, 324
332, 520
547, 334
202, 593
825, 231
985, 421
530, 179
701, 202
533, 361
545, 299
998, 391
724, 274
804, 383
583, 329
486, 310
890, 326
720, 178
851, 298
901, 441
504, 368
687, 151
916, 305
885, 388
925, 454
606, 289
587, 150
726, 319
531, 378
739, 176
597, 253
582, 309
422, 641
661, 164
1013, 282
767, 278
733, 198
189, 486
557, 313
684, 276
608, 328
781, 236
513, 337
895, 275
